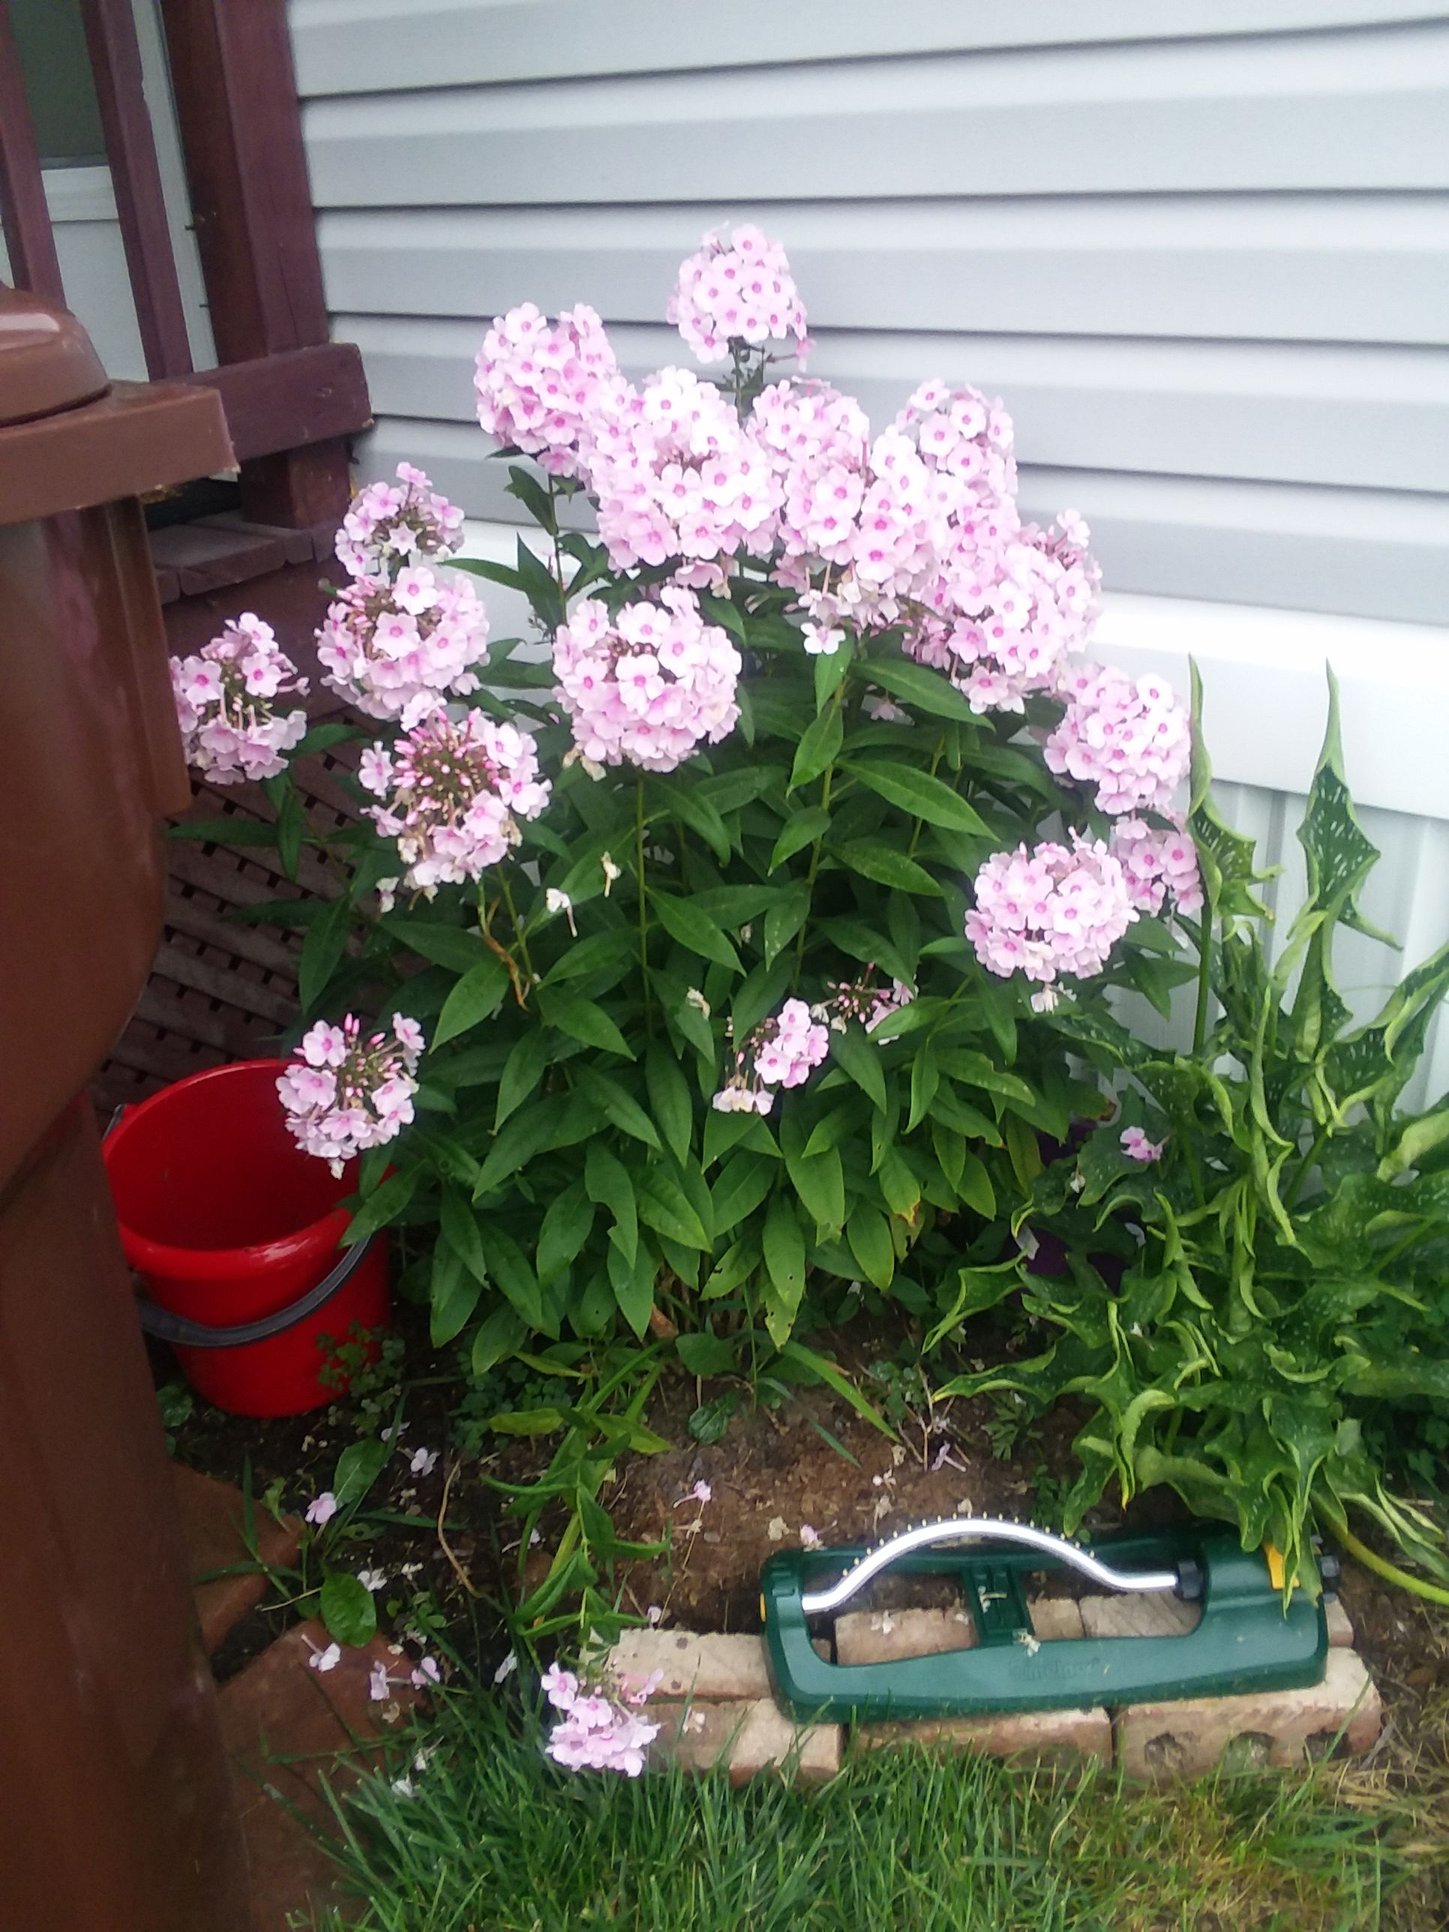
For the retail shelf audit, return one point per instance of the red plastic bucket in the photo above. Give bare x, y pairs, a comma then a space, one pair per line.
234, 1232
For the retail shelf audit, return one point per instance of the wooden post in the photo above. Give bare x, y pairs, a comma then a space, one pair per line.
29, 241
241, 135
140, 203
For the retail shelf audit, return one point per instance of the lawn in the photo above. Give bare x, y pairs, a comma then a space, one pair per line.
493, 1836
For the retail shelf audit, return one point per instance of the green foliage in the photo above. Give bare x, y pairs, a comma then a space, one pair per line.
1280, 1275
582, 1186
482, 1830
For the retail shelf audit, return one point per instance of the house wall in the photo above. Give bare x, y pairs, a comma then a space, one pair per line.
1199, 248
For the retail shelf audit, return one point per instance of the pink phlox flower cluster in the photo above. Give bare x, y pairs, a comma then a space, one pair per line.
596, 1730
1050, 910
1158, 864
861, 535
737, 288
1126, 736
395, 647
1138, 1147
452, 792
346, 1091
392, 524
865, 1001
677, 474
226, 703
1010, 604
780, 1052
543, 386
647, 685
965, 436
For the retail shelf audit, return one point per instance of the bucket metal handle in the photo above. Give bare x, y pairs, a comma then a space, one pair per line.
181, 1331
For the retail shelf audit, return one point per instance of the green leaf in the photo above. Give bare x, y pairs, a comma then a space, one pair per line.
322, 952
477, 996
700, 816
460, 1230
633, 1286
783, 1245
705, 1354
819, 1181
818, 747
594, 952
885, 865
453, 1293
358, 1468
348, 1610
918, 685
499, 1334
236, 831
830, 1131
617, 1105
744, 1181
566, 1226
870, 1242
583, 1020
802, 830
826, 1371
383, 1205
663, 1206
925, 1079
291, 829
975, 1188
608, 1181
830, 668
669, 1097
510, 1270
857, 1056
784, 920
694, 930
443, 945
527, 1061
923, 796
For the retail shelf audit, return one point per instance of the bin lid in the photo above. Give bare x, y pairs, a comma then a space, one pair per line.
46, 359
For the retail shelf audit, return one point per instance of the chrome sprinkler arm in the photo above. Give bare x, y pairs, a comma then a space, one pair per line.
957, 1529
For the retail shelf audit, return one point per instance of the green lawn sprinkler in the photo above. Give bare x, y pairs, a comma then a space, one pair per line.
1245, 1639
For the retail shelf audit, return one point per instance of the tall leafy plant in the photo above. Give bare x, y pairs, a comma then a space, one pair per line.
1267, 1227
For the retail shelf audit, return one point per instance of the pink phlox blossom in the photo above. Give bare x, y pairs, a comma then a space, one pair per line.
597, 1730
226, 703
544, 387
428, 1671
1128, 737
396, 648
676, 474
1138, 1147
737, 289
393, 525
781, 1052
560, 1687
325, 1660
810, 1538
377, 1683
1159, 864
1009, 605
423, 1462
1050, 910
648, 685
452, 792
360, 1098
322, 1508
701, 1493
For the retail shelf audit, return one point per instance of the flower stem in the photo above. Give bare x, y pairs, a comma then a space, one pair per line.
518, 931
1390, 1572
643, 906
1204, 979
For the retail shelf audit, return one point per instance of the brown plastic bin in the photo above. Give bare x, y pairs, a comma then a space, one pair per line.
116, 1812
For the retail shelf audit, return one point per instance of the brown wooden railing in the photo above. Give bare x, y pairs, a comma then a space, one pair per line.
291, 396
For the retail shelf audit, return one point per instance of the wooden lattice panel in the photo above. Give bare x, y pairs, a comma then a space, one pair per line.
221, 990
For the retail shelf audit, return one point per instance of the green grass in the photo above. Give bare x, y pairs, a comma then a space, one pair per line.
498, 1840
